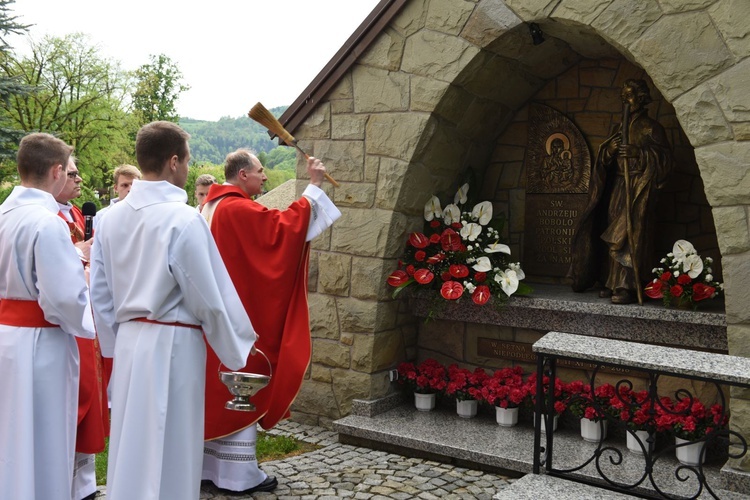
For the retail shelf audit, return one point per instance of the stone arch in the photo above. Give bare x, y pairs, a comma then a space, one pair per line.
439, 102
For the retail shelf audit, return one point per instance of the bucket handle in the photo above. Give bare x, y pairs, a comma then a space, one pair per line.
270, 369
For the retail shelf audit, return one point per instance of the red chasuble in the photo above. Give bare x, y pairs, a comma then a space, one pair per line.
266, 255
93, 409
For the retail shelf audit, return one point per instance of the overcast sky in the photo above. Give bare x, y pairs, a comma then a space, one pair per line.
232, 53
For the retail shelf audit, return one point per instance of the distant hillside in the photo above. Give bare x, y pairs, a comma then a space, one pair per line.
211, 141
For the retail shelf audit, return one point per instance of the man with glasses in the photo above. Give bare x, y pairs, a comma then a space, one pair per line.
93, 411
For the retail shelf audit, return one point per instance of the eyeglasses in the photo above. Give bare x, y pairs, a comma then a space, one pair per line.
73, 175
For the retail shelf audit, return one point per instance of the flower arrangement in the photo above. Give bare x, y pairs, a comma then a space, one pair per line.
689, 419
633, 408
505, 388
459, 253
593, 405
463, 384
559, 392
685, 278
427, 377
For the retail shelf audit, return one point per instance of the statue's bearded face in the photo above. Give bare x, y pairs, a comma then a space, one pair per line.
630, 96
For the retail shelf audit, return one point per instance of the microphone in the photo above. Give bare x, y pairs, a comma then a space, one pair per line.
89, 211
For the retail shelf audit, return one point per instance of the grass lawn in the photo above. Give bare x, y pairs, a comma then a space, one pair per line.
267, 448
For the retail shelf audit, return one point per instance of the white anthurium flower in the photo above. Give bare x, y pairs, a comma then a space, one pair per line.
497, 247
460, 196
682, 249
483, 265
693, 265
471, 231
482, 212
516, 266
451, 214
508, 281
432, 209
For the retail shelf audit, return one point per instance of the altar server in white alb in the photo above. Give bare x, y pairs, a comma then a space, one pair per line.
158, 284
43, 304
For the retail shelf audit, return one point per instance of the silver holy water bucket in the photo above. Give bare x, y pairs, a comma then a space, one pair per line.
244, 385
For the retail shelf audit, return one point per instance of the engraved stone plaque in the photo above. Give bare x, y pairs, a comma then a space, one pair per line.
558, 169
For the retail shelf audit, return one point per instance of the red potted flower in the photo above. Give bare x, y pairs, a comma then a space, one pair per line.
426, 380
506, 391
465, 387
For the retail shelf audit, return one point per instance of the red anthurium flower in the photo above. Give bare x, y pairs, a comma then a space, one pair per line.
423, 276
450, 240
655, 289
410, 270
438, 257
684, 279
418, 240
398, 278
480, 277
666, 276
702, 292
481, 295
676, 291
420, 255
451, 290
459, 270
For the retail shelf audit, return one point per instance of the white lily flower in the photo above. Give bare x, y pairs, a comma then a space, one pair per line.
482, 212
460, 196
451, 214
682, 249
693, 265
483, 265
471, 231
497, 247
516, 266
508, 281
432, 209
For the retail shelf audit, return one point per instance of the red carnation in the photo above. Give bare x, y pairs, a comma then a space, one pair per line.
665, 276
481, 295
420, 255
655, 289
418, 240
676, 291
398, 278
450, 240
451, 290
459, 270
423, 276
434, 223
446, 276
702, 292
480, 277
684, 279
410, 270
434, 238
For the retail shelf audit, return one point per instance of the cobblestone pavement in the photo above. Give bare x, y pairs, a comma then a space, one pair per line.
344, 471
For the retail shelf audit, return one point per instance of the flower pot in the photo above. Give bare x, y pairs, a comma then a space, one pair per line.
690, 454
467, 408
592, 431
544, 423
506, 417
424, 402
633, 444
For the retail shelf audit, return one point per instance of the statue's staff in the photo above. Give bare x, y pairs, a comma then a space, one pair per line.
629, 202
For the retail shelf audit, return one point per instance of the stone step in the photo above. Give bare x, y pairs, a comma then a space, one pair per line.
393, 424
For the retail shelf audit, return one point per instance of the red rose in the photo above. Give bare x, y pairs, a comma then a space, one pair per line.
446, 276
434, 238
450, 240
684, 279
418, 240
666, 276
420, 255
451, 290
702, 292
676, 291
398, 278
423, 276
459, 270
480, 277
655, 289
457, 225
434, 223
410, 270
481, 295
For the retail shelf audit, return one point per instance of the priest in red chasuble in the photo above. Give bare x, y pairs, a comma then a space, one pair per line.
93, 411
266, 252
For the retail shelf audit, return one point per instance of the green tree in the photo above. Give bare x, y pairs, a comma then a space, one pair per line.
9, 86
158, 87
79, 96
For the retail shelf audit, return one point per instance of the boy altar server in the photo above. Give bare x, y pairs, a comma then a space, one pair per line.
43, 304
158, 284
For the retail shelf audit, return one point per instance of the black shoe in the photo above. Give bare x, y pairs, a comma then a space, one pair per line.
90, 497
268, 484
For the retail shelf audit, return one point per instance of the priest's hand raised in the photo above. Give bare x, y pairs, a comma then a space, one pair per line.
316, 170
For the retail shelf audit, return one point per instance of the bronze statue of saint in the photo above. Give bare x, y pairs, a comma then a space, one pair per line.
613, 244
